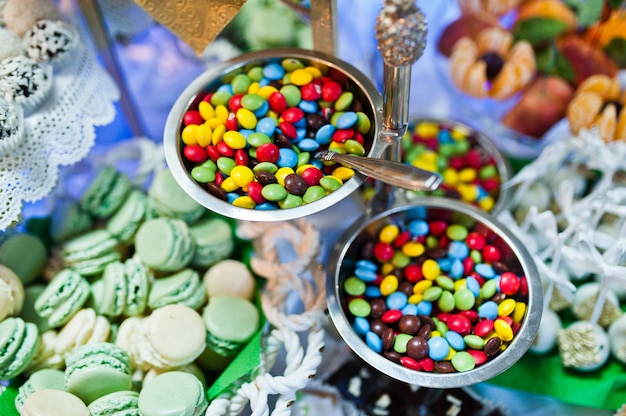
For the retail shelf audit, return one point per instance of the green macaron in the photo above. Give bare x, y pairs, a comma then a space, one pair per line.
45, 378
214, 241
164, 244
168, 199
18, 344
230, 322
119, 403
173, 393
68, 220
106, 192
122, 290
63, 297
184, 287
95, 370
25, 254
124, 223
90, 252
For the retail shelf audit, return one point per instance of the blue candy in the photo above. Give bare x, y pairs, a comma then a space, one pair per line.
225, 88
445, 264
367, 275
325, 134
366, 264
418, 228
273, 71
266, 206
438, 348
472, 285
261, 111
485, 270
287, 158
458, 250
372, 291
424, 308
457, 269
361, 325
455, 340
308, 106
488, 310
266, 125
409, 309
346, 120
308, 145
373, 341
397, 300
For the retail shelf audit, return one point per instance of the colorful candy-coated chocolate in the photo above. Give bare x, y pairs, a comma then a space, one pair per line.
458, 303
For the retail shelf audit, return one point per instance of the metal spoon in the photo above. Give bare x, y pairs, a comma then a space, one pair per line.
388, 171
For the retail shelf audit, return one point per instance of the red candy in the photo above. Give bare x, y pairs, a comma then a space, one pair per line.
192, 117
401, 239
241, 157
341, 135
490, 254
483, 327
459, 323
225, 150
235, 102
195, 153
478, 356
475, 241
383, 251
391, 316
231, 122
331, 90
277, 102
413, 273
288, 129
427, 364
437, 228
213, 153
312, 176
509, 283
311, 92
254, 191
268, 152
293, 115
410, 363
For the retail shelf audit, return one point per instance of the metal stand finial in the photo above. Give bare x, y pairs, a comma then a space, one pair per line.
401, 34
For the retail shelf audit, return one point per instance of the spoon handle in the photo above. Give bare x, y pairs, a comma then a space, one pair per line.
391, 172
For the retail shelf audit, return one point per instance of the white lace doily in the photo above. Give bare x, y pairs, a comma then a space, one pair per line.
60, 133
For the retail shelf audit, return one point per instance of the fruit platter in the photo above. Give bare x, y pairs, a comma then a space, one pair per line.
535, 71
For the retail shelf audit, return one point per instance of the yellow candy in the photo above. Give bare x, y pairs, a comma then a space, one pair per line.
282, 173
234, 139
301, 77
421, 286
487, 203
189, 134
388, 285
214, 123
451, 353
244, 202
519, 312
316, 72
221, 112
218, 134
388, 233
254, 88
434, 334
343, 173
469, 193
206, 110
450, 176
506, 307
304, 167
467, 174
431, 269
337, 147
266, 91
229, 185
427, 129
246, 118
242, 175
413, 249
415, 298
460, 284
503, 330
459, 133
205, 132
386, 268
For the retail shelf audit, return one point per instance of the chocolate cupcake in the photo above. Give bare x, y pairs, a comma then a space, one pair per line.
25, 82
11, 126
51, 42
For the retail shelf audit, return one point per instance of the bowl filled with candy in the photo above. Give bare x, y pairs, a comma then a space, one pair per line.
472, 168
520, 67
437, 294
242, 138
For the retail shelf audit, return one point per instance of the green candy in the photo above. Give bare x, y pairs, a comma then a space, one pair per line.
457, 232
292, 95
335, 116
464, 299
226, 164
488, 171
400, 260
363, 123
489, 289
274, 192
445, 282
354, 148
313, 193
446, 149
461, 147
241, 83
476, 256
291, 64
344, 101
257, 139
256, 73
210, 165
303, 158
330, 184
474, 341
359, 307
463, 361
400, 342
203, 174
220, 98
291, 201
252, 101
432, 293
354, 286
265, 167
446, 301
442, 328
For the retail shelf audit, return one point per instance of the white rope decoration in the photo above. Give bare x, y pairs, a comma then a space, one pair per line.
300, 274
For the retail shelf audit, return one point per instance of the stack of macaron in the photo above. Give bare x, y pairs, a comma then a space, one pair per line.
130, 285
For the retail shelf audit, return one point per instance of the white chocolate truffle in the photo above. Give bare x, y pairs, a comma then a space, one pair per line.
545, 340
585, 300
617, 339
583, 346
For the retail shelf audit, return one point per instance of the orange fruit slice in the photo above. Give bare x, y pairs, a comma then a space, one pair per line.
582, 110
605, 123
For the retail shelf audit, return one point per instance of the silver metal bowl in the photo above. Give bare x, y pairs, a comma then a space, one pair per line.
348, 250
358, 84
